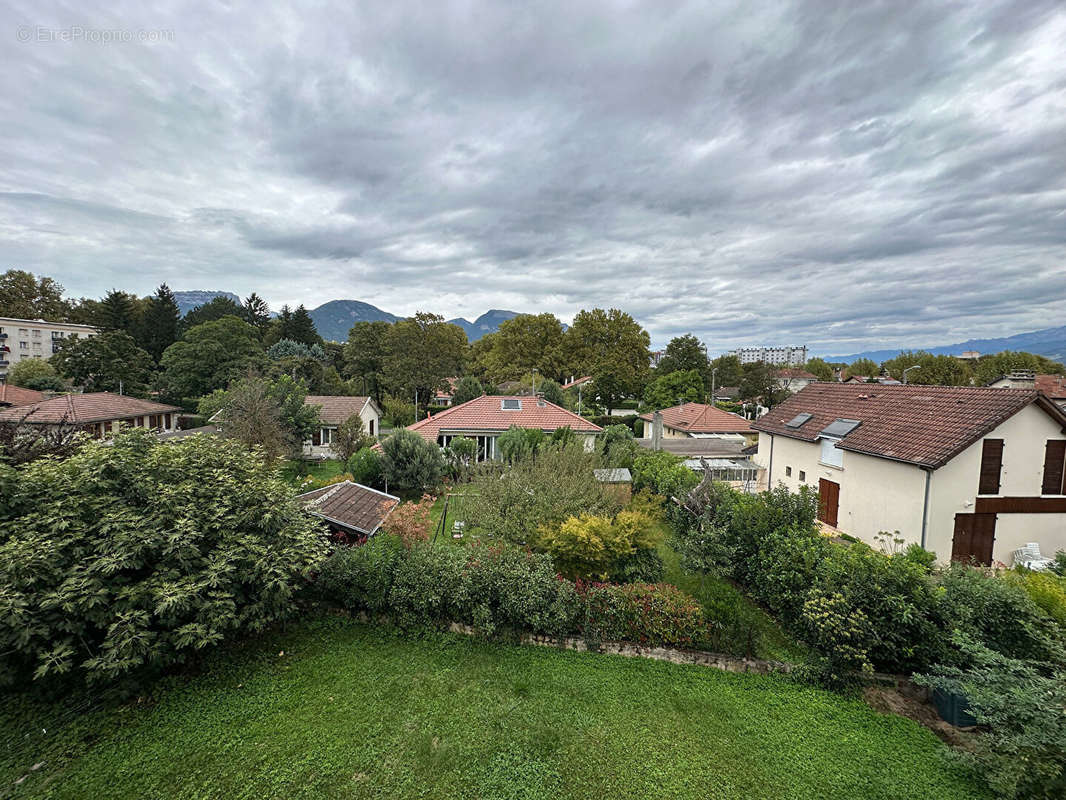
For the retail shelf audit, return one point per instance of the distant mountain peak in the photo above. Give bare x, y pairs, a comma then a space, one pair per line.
190, 299
1047, 342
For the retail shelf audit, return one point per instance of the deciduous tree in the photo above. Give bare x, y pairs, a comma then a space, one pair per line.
209, 356
420, 354
674, 388
683, 353
108, 362
25, 296
611, 347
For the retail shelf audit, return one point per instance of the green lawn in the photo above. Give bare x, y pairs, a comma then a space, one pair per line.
293, 472
337, 709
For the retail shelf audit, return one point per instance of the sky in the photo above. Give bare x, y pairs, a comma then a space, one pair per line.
837, 174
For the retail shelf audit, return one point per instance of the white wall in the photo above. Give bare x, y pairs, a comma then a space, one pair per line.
369, 414
875, 494
955, 484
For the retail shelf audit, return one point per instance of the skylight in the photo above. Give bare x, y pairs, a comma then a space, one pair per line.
798, 420
511, 404
840, 428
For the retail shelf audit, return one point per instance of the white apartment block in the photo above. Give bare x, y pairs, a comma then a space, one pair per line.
790, 356
34, 338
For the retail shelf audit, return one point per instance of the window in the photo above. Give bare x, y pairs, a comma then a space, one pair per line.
327, 435
370, 427
24, 345
832, 456
36, 333
991, 466
24, 331
803, 476
1054, 467
511, 404
788, 472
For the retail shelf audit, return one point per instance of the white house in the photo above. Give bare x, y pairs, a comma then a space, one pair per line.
967, 472
333, 411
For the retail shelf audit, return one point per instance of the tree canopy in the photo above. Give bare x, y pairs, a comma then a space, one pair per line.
522, 344
612, 347
162, 321
674, 388
111, 361
25, 296
34, 373
420, 354
209, 356
683, 353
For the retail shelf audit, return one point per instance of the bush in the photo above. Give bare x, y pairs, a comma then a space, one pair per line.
1046, 590
617, 446
654, 615
410, 462
410, 522
502, 590
544, 491
1021, 706
591, 546
399, 413
365, 467
662, 473
351, 437
140, 554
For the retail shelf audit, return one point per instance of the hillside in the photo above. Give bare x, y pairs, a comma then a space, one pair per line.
489, 322
189, 300
1047, 342
335, 318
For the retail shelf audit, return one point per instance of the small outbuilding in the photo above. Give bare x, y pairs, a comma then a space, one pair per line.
354, 512
619, 478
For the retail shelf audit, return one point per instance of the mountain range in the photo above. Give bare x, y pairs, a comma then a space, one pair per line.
334, 319
1047, 342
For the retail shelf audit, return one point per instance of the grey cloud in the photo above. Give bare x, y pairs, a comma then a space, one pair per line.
835, 173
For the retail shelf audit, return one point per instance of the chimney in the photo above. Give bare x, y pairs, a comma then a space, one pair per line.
657, 431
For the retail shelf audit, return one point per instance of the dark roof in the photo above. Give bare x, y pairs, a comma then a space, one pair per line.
185, 433
350, 505
77, 409
923, 425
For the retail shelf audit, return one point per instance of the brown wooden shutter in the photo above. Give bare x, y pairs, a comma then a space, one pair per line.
1054, 458
991, 464
316, 437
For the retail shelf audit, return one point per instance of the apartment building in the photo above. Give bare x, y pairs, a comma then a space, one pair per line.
792, 356
34, 338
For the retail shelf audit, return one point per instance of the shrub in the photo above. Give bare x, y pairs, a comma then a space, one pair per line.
655, 615
840, 632
617, 446
535, 492
139, 554
662, 473
589, 546
467, 389
410, 522
361, 578
410, 462
642, 566
997, 613
1021, 706
365, 467
1046, 590
350, 437
399, 412
429, 586
516, 444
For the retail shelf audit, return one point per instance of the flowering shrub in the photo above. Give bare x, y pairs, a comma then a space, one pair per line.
411, 522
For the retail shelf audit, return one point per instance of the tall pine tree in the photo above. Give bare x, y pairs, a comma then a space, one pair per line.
161, 318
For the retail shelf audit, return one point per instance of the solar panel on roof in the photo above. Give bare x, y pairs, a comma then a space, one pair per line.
840, 427
798, 420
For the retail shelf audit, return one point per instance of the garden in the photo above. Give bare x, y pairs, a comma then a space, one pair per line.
156, 588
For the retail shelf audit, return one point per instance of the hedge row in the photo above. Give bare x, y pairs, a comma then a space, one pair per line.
502, 589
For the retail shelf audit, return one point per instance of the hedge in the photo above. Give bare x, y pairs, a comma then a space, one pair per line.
502, 590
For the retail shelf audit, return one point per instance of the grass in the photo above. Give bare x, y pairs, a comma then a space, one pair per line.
294, 472
341, 710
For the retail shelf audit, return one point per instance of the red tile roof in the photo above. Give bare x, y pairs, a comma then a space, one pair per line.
702, 418
17, 396
446, 394
335, 409
577, 382
350, 505
84, 408
793, 372
1054, 386
486, 414
923, 425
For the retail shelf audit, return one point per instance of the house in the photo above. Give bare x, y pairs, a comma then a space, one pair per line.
967, 472
11, 396
99, 413
1054, 386
333, 411
354, 512
701, 421
793, 378
726, 394
443, 398
881, 379
485, 418
35, 338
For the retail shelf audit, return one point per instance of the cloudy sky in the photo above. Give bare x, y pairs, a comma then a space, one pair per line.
775, 173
